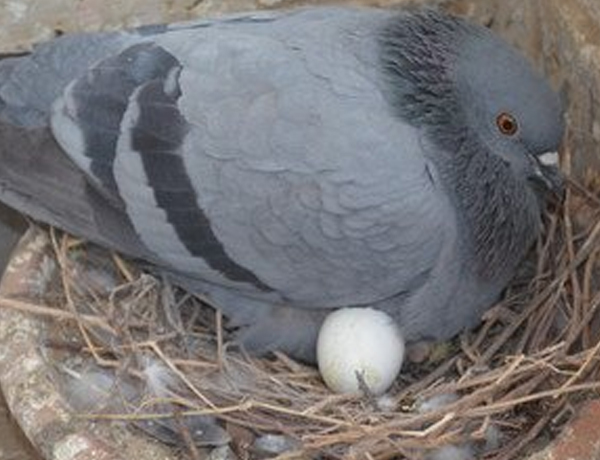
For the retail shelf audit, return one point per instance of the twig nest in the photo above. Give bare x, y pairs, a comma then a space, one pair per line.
358, 348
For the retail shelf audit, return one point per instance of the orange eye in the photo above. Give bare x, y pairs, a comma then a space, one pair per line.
507, 124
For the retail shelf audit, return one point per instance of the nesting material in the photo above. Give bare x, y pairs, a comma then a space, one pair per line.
517, 379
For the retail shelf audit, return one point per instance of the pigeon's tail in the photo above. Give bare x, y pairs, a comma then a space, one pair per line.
38, 179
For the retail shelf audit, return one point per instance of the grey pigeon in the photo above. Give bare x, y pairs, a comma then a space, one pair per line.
287, 164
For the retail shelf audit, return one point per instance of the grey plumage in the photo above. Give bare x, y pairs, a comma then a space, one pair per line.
287, 164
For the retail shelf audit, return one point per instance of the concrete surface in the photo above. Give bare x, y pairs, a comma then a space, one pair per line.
13, 444
579, 440
23, 22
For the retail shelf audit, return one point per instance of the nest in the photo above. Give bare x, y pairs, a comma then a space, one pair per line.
518, 377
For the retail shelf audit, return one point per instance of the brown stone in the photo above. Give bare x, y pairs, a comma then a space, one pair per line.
580, 440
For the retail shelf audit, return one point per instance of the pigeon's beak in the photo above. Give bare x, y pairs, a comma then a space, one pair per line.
547, 174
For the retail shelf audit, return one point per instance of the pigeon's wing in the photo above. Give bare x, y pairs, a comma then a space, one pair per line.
262, 154
36, 177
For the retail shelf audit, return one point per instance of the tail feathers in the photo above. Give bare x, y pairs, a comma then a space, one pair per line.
38, 179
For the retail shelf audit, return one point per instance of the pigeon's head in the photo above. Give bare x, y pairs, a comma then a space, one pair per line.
511, 107
474, 93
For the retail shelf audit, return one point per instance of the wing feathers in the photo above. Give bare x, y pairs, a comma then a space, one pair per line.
97, 102
154, 129
253, 158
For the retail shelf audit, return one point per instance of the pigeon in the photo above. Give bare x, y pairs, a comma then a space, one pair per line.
286, 164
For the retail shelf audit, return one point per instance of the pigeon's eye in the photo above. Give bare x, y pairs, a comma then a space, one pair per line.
507, 124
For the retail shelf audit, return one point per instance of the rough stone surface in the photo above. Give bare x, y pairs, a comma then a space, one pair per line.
579, 440
571, 36
25, 22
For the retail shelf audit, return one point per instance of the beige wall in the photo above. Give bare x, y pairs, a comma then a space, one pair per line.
25, 21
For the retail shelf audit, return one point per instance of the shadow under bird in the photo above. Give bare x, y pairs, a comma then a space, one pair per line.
287, 164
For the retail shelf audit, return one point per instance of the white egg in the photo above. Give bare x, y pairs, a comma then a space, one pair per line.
360, 341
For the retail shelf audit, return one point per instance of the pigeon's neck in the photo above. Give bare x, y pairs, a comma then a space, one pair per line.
501, 213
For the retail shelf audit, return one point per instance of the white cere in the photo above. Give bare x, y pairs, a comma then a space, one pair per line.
549, 159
